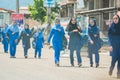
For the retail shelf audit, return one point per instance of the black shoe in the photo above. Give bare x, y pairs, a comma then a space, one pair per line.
39, 57
35, 56
6, 51
110, 73
97, 65
57, 64
79, 65
118, 76
26, 56
12, 57
72, 65
91, 65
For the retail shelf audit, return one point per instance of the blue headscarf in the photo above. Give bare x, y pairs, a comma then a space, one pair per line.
114, 28
14, 28
6, 28
57, 26
94, 28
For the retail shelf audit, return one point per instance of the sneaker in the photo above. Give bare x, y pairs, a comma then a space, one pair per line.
39, 57
79, 65
72, 65
57, 64
97, 65
35, 56
118, 76
91, 65
110, 72
26, 56
12, 57
6, 51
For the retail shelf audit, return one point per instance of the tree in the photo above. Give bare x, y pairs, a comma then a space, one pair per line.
38, 11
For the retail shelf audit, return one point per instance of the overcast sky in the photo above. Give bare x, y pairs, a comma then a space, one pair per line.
11, 4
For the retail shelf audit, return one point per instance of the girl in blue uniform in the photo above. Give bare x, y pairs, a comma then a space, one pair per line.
5, 39
57, 33
39, 41
74, 31
114, 39
13, 33
94, 43
25, 36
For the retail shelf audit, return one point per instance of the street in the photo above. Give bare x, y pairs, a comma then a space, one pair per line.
45, 69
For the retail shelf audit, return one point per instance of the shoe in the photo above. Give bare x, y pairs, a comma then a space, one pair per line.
12, 57
35, 56
6, 51
39, 57
97, 65
118, 76
91, 65
79, 65
72, 65
57, 64
110, 72
26, 56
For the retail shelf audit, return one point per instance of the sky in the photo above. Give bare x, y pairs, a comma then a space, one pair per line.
11, 4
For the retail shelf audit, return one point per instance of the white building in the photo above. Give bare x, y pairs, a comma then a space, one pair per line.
5, 16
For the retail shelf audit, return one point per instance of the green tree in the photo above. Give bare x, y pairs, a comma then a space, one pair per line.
55, 10
38, 11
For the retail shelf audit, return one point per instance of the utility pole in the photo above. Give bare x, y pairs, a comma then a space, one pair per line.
17, 6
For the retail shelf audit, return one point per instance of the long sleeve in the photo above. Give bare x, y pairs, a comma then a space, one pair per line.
50, 36
63, 32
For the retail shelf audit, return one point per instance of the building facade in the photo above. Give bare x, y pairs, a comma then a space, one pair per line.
101, 10
5, 16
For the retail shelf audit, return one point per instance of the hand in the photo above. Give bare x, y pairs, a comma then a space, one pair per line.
95, 35
27, 34
91, 42
59, 29
76, 30
110, 48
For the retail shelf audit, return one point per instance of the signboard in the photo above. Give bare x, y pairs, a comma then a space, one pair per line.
49, 3
18, 17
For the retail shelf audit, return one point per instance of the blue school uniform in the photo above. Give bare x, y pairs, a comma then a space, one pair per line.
56, 40
5, 39
94, 48
39, 40
13, 33
114, 39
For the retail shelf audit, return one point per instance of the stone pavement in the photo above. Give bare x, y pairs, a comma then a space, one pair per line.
45, 69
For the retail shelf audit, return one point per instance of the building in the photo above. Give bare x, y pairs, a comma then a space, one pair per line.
5, 16
101, 10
